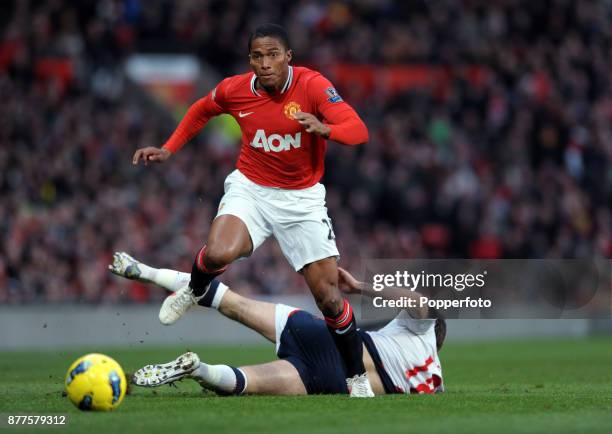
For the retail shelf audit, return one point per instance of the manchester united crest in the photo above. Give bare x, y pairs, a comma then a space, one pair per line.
291, 109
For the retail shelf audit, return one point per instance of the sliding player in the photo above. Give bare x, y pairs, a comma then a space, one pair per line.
402, 357
286, 114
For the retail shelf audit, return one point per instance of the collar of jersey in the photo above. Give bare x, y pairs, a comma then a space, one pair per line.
285, 88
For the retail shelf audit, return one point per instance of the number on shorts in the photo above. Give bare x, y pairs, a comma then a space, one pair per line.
330, 235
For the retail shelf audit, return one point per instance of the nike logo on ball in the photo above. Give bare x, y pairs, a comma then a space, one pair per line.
244, 114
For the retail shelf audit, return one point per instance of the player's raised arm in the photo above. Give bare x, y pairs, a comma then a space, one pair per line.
341, 123
194, 120
348, 284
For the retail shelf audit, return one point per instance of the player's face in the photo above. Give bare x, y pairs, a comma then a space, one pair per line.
270, 62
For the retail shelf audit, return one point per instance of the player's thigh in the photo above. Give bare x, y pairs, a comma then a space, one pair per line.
229, 237
259, 316
275, 378
239, 220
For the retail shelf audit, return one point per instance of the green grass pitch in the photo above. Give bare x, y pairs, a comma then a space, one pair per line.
544, 386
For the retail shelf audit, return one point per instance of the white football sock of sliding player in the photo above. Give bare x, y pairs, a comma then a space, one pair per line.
222, 378
171, 280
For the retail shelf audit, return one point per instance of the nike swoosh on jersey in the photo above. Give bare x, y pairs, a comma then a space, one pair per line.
242, 115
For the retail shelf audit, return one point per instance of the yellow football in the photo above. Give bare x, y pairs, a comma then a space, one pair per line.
95, 382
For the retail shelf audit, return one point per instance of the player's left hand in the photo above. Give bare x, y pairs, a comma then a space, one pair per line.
347, 282
312, 124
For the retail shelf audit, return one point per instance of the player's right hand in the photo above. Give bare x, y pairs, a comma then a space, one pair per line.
151, 154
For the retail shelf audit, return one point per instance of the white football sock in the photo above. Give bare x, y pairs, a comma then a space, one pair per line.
146, 273
221, 290
222, 378
171, 280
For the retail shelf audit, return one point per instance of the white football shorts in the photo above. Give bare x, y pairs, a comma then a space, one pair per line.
297, 218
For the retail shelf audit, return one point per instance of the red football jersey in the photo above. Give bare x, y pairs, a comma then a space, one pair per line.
276, 150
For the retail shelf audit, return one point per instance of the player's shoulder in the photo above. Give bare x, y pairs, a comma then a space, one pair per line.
301, 73
232, 87
239, 78
236, 82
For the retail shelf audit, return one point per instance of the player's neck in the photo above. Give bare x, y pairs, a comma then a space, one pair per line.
277, 86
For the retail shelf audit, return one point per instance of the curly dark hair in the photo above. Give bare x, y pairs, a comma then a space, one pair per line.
271, 30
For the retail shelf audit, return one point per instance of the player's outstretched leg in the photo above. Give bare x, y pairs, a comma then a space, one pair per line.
274, 378
322, 278
257, 315
228, 240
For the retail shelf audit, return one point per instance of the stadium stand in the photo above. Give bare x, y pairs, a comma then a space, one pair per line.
504, 152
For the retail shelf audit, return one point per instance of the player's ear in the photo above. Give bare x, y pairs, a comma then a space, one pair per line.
289, 55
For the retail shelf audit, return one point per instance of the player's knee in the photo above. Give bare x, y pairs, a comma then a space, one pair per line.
330, 309
219, 256
330, 301
323, 282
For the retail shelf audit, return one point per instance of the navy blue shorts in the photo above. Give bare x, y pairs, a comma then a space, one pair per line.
307, 344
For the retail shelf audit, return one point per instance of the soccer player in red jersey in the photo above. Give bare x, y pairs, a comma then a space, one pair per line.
286, 114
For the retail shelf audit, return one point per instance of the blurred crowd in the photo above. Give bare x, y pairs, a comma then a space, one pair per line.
516, 164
